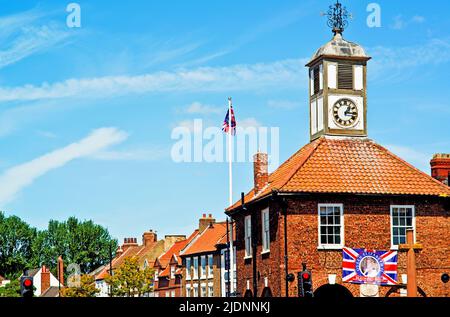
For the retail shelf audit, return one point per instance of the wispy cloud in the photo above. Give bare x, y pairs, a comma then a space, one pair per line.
412, 155
400, 22
390, 60
28, 33
283, 104
277, 75
136, 154
13, 180
199, 108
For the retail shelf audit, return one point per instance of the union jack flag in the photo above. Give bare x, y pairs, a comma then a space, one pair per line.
226, 122
362, 266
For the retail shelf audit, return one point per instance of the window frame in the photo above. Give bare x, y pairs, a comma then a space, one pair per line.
413, 223
265, 238
248, 236
203, 266
195, 260
210, 265
320, 245
173, 269
188, 268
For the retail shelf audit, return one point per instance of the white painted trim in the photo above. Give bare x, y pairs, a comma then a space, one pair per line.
331, 246
395, 247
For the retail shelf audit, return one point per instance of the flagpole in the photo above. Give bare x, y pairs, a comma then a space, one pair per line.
230, 197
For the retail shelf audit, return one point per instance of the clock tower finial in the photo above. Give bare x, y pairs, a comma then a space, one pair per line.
338, 83
337, 17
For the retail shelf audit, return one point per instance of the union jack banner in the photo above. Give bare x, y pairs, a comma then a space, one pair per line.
362, 266
226, 122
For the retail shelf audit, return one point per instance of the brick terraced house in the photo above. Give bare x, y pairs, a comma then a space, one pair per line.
169, 270
146, 253
340, 190
205, 272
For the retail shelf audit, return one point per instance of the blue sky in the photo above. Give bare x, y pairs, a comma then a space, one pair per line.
86, 113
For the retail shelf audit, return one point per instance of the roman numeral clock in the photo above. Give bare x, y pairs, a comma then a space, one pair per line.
337, 83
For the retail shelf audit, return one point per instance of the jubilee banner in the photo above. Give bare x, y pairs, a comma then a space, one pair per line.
363, 266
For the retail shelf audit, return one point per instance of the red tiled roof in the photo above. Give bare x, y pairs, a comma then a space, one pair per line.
207, 240
348, 166
165, 272
118, 260
223, 240
166, 257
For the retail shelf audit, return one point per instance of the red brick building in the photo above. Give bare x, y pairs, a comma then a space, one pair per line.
341, 189
169, 270
204, 273
146, 254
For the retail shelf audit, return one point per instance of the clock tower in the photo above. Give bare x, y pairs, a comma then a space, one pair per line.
337, 83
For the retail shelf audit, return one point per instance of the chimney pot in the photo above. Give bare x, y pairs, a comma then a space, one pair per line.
205, 222
440, 167
260, 171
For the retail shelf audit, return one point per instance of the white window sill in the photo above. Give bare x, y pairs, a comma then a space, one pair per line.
247, 257
329, 247
394, 247
210, 276
265, 252
203, 277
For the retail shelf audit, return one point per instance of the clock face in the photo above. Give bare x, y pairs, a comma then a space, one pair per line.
345, 113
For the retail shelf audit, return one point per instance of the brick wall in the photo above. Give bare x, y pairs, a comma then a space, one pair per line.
367, 225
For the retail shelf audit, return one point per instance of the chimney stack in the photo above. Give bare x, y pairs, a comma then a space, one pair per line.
260, 171
205, 222
45, 279
440, 167
61, 270
149, 238
129, 242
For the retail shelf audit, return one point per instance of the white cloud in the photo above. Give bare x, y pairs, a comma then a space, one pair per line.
401, 22
391, 62
248, 122
142, 154
24, 34
276, 75
199, 108
16, 178
416, 158
283, 104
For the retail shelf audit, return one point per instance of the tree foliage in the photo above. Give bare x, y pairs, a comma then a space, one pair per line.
16, 238
129, 280
11, 289
82, 242
86, 288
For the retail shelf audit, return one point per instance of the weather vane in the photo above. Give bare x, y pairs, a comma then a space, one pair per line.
337, 17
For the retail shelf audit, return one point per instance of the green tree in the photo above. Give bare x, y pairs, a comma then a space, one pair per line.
11, 289
16, 239
81, 242
85, 289
129, 280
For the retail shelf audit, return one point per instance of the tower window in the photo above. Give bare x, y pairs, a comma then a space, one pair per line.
345, 76
316, 79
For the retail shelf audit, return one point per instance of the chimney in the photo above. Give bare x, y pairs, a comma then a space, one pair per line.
45, 279
440, 167
169, 240
60, 270
205, 222
260, 171
119, 251
129, 242
149, 238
